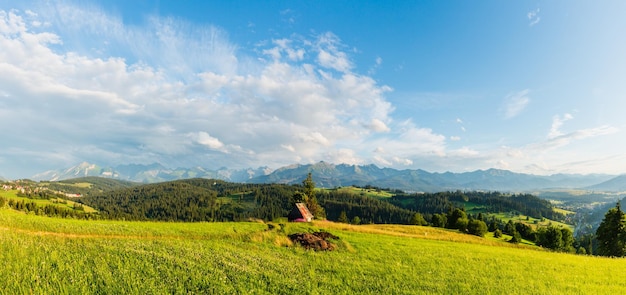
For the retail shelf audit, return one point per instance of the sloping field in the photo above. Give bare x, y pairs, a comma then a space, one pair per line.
43, 255
62, 203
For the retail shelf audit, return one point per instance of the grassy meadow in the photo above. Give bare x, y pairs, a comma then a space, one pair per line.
59, 202
43, 255
369, 192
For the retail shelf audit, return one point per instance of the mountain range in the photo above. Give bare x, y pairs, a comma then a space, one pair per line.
150, 173
334, 175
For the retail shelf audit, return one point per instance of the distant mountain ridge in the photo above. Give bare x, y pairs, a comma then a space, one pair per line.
149, 173
617, 184
330, 175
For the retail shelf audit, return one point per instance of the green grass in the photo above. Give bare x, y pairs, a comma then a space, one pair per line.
77, 184
63, 203
42, 255
533, 222
563, 211
473, 207
372, 193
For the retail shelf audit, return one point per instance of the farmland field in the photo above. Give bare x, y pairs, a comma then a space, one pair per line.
43, 255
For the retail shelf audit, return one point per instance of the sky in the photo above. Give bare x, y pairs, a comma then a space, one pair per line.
528, 86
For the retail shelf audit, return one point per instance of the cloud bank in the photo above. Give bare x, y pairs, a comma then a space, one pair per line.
78, 84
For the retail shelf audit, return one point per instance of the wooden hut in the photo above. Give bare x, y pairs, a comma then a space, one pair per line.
300, 213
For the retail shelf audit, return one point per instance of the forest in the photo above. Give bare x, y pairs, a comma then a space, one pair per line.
216, 200
431, 203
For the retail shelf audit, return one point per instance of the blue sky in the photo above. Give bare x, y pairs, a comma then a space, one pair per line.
529, 86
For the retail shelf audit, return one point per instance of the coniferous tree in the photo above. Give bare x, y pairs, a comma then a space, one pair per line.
311, 200
611, 233
567, 240
343, 218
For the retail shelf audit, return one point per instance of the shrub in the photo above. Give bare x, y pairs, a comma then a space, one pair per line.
477, 227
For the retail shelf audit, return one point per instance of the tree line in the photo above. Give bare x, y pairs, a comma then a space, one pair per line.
215, 200
48, 210
431, 203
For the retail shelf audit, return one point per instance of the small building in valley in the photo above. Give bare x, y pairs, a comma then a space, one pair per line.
300, 213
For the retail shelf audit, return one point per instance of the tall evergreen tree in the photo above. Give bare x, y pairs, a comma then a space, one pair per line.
311, 200
611, 233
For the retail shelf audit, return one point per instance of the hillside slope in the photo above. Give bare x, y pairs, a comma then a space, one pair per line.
617, 184
46, 255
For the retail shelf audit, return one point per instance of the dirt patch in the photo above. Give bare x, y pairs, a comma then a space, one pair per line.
318, 241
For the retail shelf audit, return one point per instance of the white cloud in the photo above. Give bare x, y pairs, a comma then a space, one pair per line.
380, 160
378, 126
346, 156
557, 122
209, 141
559, 154
407, 141
315, 138
330, 56
288, 147
402, 161
566, 139
515, 103
86, 86
533, 17
464, 152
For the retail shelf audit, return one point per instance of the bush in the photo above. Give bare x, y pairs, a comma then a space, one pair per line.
418, 219
517, 238
439, 220
477, 227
